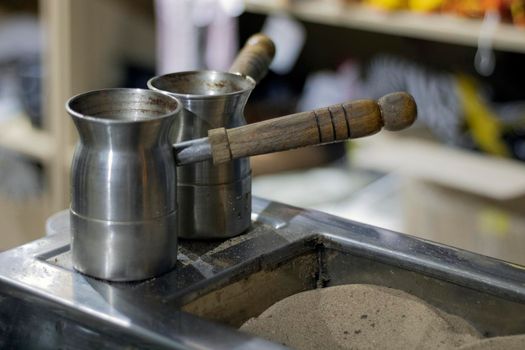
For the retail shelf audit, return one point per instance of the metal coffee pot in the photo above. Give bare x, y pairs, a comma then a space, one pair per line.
123, 176
217, 198
123, 201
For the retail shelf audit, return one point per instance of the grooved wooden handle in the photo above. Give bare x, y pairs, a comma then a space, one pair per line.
255, 57
336, 123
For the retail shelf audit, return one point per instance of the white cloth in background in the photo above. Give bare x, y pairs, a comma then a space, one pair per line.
325, 88
176, 36
289, 36
223, 41
180, 24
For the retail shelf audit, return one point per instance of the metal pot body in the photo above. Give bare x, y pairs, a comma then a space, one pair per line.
123, 201
215, 201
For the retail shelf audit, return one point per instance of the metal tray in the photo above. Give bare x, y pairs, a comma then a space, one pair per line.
217, 285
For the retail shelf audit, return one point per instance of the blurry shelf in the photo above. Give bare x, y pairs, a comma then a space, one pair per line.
18, 135
435, 27
468, 171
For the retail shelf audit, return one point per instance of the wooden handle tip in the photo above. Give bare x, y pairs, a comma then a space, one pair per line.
263, 41
398, 110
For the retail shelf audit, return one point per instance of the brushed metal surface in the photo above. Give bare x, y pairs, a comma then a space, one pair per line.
215, 199
123, 201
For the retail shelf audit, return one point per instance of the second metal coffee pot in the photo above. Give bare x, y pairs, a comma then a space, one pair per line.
217, 198
123, 196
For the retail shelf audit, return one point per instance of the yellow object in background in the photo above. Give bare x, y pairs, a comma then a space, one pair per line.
425, 5
469, 8
517, 10
494, 221
484, 125
387, 4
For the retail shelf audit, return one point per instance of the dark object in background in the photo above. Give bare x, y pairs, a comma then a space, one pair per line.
515, 140
506, 82
137, 76
28, 6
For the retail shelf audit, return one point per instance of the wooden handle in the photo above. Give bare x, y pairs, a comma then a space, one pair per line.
336, 123
255, 57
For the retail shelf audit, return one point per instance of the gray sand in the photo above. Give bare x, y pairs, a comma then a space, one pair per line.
512, 342
360, 316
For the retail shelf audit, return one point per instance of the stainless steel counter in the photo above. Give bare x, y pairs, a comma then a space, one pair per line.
217, 285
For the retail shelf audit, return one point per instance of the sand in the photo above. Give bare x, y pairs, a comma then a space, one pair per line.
511, 342
360, 316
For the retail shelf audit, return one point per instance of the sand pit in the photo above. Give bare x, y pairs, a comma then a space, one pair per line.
360, 316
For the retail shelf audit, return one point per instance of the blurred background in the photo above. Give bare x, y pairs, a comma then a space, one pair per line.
457, 177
